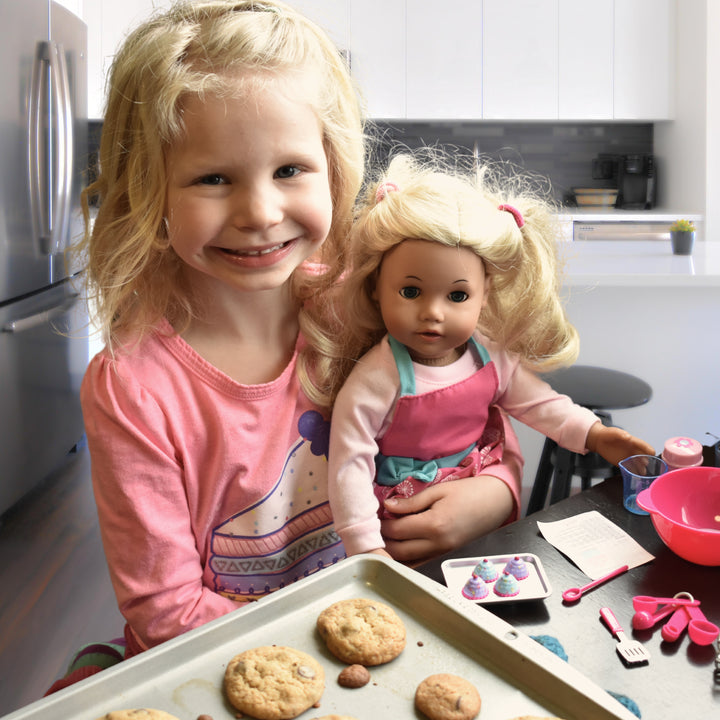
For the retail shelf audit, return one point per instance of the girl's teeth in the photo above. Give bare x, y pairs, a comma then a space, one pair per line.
255, 253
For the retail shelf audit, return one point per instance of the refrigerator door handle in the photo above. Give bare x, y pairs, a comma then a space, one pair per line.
40, 318
37, 151
61, 199
50, 158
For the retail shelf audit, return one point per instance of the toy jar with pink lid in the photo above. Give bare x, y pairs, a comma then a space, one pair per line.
682, 452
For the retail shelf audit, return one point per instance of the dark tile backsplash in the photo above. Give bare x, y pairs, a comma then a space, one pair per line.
94, 131
562, 152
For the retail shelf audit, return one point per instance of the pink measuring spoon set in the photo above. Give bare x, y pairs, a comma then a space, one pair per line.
683, 611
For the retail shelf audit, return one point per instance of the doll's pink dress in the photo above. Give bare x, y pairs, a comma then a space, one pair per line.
450, 433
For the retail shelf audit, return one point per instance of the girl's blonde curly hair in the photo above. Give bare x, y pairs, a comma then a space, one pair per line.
440, 200
134, 277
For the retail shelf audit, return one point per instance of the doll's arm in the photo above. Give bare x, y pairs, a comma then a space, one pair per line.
615, 444
360, 410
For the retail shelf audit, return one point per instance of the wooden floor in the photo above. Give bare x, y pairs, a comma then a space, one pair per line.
55, 592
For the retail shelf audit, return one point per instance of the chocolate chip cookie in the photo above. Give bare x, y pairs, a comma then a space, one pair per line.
447, 697
363, 632
274, 682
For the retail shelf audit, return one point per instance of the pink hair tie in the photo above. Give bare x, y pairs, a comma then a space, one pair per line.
383, 189
514, 212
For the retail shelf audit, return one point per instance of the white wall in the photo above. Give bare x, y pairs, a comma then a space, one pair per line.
665, 335
712, 222
687, 173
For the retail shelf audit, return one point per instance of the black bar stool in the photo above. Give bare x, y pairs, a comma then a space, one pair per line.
600, 390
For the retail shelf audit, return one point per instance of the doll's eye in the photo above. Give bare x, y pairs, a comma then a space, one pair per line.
410, 292
458, 296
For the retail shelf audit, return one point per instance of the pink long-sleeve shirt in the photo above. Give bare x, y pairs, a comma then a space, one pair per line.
209, 492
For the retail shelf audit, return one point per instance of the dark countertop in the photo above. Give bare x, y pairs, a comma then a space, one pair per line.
679, 674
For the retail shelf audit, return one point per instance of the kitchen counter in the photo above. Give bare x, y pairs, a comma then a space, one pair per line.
590, 214
639, 263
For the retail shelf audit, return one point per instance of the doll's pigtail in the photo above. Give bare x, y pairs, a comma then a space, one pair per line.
525, 312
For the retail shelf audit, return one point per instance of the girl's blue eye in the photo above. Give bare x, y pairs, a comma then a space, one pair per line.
410, 292
458, 296
287, 171
213, 179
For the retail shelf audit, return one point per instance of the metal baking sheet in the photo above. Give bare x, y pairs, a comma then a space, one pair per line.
514, 674
535, 586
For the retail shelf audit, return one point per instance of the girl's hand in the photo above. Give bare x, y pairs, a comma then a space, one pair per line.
445, 517
380, 551
615, 444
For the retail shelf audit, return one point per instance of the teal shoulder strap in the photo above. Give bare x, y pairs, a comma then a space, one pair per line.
403, 361
481, 350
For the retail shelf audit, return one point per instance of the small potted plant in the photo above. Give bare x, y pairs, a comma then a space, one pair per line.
682, 237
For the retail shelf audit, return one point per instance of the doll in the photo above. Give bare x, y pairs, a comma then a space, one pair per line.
453, 301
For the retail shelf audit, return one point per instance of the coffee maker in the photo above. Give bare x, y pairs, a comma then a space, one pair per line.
636, 182
636, 178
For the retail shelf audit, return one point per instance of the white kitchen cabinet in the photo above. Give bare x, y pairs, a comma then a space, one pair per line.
487, 59
333, 16
644, 59
616, 59
520, 59
74, 6
585, 60
444, 60
108, 24
378, 55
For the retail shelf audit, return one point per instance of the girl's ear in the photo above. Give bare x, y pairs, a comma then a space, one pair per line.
372, 280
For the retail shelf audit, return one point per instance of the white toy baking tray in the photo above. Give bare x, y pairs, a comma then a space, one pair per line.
514, 674
535, 586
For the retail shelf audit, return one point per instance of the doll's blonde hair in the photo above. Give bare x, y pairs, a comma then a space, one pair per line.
424, 198
198, 48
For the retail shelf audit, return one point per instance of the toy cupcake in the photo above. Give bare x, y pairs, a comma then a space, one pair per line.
486, 570
507, 585
517, 568
475, 588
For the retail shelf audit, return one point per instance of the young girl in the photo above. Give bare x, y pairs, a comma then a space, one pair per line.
454, 286
232, 153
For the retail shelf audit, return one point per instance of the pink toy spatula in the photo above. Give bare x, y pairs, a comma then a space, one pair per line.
631, 651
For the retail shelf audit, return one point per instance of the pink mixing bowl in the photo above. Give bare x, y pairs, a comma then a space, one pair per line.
684, 505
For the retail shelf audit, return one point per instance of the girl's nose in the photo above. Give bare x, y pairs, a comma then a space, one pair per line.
257, 208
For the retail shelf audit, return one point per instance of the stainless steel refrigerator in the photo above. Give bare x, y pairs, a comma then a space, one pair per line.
43, 157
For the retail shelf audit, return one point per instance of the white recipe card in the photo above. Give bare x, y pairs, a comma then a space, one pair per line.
596, 545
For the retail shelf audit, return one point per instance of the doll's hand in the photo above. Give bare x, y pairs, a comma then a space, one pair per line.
615, 444
444, 517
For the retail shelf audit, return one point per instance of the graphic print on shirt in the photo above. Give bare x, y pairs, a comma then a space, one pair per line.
286, 535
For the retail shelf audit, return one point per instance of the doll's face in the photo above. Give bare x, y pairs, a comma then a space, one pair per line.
430, 298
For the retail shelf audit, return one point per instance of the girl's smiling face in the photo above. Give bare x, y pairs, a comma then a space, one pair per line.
430, 298
248, 195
